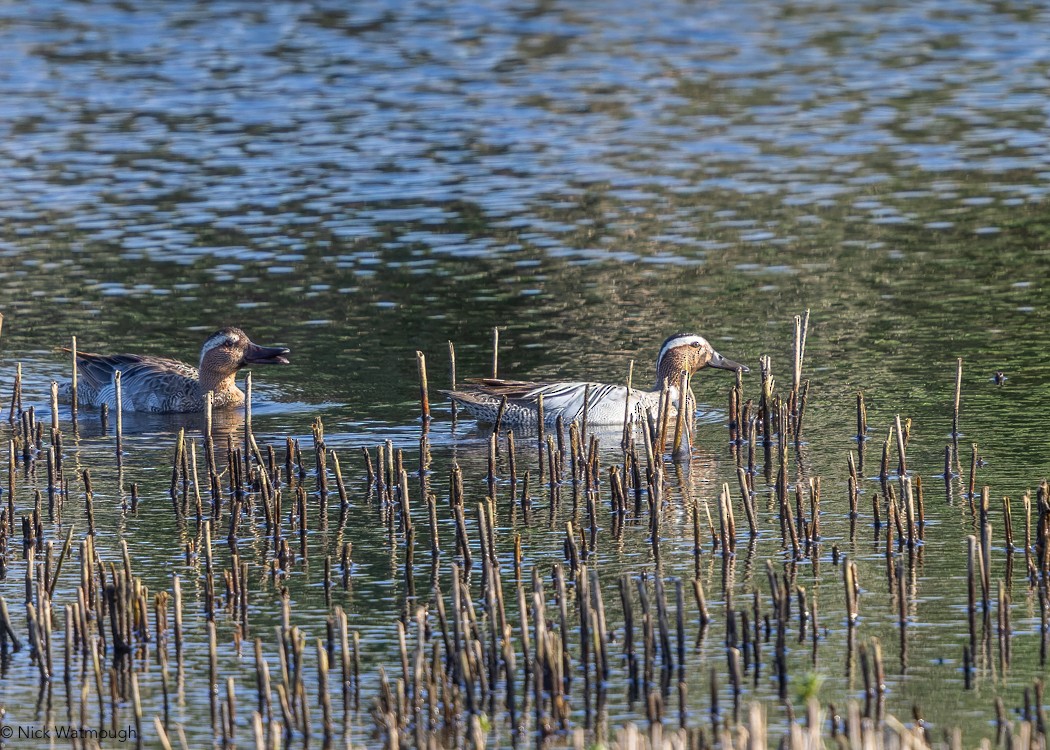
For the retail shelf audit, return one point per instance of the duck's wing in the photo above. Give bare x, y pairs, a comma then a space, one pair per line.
96, 370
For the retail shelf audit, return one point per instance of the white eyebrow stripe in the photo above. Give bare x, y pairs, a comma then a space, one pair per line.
681, 340
213, 342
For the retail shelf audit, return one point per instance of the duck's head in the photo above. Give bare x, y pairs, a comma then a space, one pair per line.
690, 352
229, 349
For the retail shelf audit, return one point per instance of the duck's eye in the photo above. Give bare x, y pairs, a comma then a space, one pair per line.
696, 344
231, 342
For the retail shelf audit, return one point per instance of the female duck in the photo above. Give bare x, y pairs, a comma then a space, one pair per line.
156, 384
606, 404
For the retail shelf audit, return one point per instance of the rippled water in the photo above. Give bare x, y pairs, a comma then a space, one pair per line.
358, 182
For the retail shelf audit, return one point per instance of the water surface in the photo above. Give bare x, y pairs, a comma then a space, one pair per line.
361, 182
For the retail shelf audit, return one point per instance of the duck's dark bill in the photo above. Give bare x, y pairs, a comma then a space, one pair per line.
266, 355
723, 363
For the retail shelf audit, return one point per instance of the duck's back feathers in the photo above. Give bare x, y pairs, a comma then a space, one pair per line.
154, 384
98, 369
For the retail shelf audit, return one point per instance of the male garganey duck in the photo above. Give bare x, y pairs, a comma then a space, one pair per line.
157, 384
606, 404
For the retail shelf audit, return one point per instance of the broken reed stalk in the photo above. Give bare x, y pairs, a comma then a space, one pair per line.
452, 375
495, 352
955, 412
209, 455
683, 421
176, 465
849, 577
61, 558
627, 422
372, 477
120, 418
11, 463
801, 328
862, 429
72, 384
541, 444
884, 465
54, 411
176, 588
1027, 500
854, 492
247, 424
1003, 628
861, 417
902, 465
735, 422
89, 501
583, 420
424, 395
972, 572
340, 485
766, 403
748, 499
726, 522
972, 486
15, 411
910, 515
663, 417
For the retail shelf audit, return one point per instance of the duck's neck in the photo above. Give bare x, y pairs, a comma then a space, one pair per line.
670, 369
225, 387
